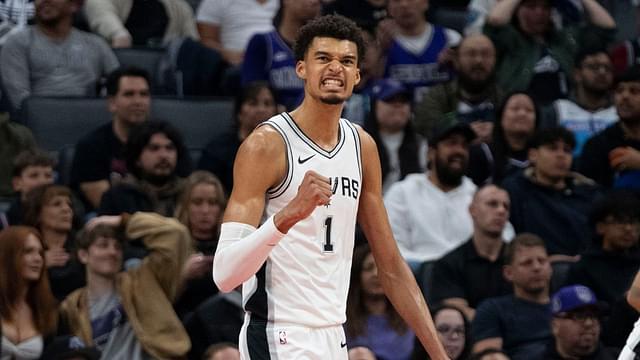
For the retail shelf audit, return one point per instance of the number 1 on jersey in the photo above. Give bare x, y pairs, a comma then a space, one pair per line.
327, 246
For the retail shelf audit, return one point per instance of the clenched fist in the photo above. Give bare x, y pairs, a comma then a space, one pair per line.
314, 191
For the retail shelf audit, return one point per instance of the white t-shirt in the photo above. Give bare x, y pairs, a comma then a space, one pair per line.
238, 20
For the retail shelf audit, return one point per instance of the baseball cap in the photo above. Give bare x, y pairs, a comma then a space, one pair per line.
385, 89
448, 128
573, 297
67, 347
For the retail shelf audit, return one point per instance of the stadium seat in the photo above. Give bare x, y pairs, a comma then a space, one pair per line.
59, 122
144, 58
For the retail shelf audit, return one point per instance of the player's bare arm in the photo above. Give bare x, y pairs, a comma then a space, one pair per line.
260, 164
395, 276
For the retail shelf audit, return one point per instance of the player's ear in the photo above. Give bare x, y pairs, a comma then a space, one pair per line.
357, 77
301, 70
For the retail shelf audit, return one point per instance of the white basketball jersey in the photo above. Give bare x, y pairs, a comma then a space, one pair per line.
306, 276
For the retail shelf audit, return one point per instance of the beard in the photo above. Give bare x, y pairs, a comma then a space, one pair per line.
332, 100
448, 176
475, 86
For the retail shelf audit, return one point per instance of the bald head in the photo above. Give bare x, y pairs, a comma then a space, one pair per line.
476, 59
489, 210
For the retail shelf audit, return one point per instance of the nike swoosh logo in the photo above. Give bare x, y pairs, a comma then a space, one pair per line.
343, 344
302, 161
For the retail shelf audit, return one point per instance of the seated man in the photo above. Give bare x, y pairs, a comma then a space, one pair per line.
51, 58
128, 315
518, 323
140, 23
589, 110
157, 160
471, 98
576, 327
608, 267
473, 271
98, 161
428, 212
549, 200
612, 157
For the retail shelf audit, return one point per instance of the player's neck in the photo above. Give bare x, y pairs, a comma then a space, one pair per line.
319, 122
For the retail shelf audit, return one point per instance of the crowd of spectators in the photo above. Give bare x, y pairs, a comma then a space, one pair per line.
509, 148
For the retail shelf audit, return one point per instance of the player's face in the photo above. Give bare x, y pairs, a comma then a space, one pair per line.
330, 70
369, 277
490, 210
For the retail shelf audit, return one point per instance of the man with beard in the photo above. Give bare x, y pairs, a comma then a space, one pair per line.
154, 153
612, 158
473, 271
471, 97
51, 58
590, 109
549, 200
518, 323
429, 212
575, 326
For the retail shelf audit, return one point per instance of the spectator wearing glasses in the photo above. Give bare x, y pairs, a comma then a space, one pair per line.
589, 109
575, 326
454, 331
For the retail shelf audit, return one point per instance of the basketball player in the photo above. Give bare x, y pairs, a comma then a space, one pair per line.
310, 173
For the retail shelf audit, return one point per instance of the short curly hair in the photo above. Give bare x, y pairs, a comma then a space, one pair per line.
331, 26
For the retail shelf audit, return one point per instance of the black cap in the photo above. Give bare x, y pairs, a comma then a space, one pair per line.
67, 347
449, 128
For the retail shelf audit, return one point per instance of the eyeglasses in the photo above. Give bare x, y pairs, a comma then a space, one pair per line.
450, 330
598, 67
580, 316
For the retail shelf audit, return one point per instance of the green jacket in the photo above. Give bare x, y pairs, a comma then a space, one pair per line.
440, 105
146, 292
14, 138
518, 53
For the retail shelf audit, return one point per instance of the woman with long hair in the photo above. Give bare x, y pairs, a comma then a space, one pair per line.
27, 307
371, 319
49, 209
402, 151
200, 209
517, 121
253, 105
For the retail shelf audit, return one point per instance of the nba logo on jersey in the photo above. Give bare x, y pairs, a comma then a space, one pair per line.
282, 335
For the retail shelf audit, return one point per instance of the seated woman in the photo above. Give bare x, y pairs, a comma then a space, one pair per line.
371, 319
49, 209
402, 151
453, 331
255, 104
27, 307
200, 209
517, 121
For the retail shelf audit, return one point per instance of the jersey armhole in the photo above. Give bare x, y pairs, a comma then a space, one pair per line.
283, 185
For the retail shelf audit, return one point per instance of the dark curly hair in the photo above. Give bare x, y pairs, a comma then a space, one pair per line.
331, 26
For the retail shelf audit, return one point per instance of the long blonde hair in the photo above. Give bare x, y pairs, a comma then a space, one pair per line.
197, 178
